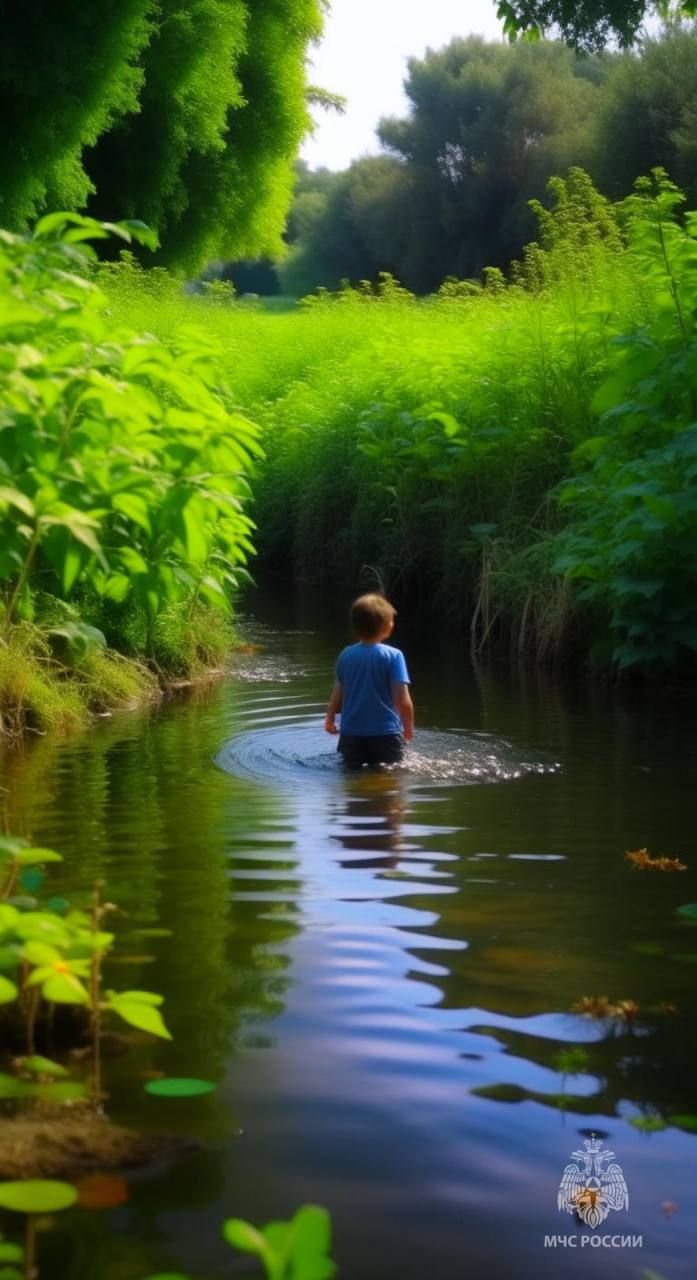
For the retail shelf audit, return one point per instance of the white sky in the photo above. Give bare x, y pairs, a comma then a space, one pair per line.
363, 55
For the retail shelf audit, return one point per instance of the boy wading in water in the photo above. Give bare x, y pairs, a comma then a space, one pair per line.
371, 690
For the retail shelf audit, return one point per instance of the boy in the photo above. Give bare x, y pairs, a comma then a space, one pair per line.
371, 690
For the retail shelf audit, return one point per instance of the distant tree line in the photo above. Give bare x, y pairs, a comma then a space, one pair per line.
488, 124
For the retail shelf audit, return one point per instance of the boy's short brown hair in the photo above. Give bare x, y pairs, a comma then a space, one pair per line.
369, 614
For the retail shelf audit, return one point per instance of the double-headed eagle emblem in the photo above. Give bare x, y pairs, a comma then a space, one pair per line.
593, 1186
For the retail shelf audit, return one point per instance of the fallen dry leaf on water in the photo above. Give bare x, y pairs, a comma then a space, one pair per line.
603, 1007
641, 860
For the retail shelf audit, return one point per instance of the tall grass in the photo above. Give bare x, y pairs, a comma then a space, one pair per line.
425, 438
429, 438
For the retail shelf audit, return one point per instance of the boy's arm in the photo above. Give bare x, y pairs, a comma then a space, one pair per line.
404, 707
333, 707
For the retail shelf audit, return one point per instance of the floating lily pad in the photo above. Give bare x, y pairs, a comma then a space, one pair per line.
36, 1196
179, 1087
684, 1122
689, 910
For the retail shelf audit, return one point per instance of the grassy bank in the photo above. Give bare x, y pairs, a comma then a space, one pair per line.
496, 453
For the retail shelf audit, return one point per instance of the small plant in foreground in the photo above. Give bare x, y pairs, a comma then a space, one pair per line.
293, 1250
52, 954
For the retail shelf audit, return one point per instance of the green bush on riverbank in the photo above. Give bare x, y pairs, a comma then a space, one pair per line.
123, 481
430, 438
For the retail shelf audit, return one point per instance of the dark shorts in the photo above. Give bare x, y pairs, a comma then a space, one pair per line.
387, 748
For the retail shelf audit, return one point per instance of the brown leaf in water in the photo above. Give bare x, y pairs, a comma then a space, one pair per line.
603, 1007
670, 1208
641, 860
593, 1006
102, 1191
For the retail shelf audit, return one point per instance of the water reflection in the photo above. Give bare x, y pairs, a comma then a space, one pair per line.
378, 970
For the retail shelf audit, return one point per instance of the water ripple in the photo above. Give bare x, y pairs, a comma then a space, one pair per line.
299, 750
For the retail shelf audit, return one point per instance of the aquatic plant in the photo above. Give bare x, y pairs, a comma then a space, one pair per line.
294, 1250
52, 955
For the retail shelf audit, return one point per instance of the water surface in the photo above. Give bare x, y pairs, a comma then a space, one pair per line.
378, 969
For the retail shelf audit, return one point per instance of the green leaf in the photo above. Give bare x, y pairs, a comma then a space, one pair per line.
37, 1196
36, 857
134, 507
10, 846
311, 1244
60, 1091
138, 1013
16, 498
8, 990
179, 1087
64, 988
11, 1087
242, 1235
40, 953
10, 1252
689, 909
43, 1066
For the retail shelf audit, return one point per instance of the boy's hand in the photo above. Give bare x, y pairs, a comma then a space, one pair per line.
329, 725
408, 735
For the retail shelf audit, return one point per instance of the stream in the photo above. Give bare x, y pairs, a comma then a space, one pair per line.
377, 970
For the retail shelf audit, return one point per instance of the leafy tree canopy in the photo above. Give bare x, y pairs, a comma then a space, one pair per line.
590, 24
185, 113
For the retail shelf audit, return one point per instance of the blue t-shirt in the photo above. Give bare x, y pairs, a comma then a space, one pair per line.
366, 673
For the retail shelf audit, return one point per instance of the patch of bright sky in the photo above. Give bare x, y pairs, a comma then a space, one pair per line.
363, 55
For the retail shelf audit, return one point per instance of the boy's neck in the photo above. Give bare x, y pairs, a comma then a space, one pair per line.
380, 639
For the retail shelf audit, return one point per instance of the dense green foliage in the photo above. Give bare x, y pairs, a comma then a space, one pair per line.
488, 125
588, 24
647, 115
430, 439
187, 113
123, 462
633, 506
